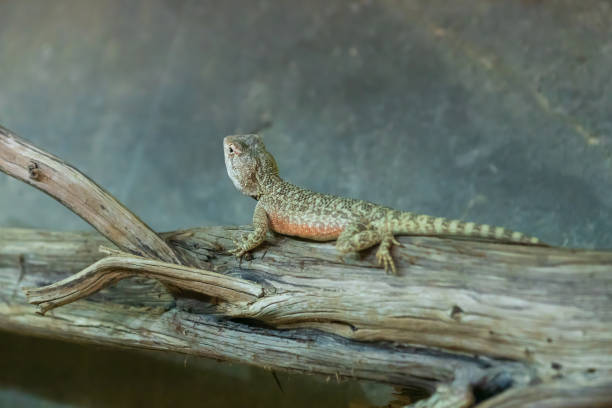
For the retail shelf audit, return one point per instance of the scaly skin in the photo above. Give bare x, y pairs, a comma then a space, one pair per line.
355, 224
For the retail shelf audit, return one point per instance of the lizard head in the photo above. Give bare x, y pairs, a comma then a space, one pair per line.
248, 162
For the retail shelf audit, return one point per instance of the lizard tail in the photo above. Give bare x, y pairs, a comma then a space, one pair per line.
412, 224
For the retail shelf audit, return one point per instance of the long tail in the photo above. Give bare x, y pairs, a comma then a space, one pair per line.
414, 224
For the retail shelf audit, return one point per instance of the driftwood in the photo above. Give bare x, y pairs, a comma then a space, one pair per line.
473, 323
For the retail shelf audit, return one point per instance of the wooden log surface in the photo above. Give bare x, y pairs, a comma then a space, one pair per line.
464, 312
140, 313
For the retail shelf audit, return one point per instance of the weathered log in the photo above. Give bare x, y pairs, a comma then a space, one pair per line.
549, 307
139, 313
470, 319
442, 321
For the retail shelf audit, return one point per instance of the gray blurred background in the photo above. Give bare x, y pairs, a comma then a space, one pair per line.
495, 112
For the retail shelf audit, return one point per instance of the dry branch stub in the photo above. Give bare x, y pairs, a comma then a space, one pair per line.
81, 195
111, 269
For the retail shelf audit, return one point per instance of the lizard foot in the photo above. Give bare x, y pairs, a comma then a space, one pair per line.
383, 255
246, 243
241, 247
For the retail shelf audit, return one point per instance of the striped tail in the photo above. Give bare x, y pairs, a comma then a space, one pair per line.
413, 224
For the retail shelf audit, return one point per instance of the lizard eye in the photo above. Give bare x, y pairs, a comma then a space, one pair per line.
234, 149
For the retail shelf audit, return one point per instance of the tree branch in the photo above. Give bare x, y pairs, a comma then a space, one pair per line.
114, 268
81, 195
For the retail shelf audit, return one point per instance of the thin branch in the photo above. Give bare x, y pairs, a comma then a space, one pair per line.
82, 196
119, 266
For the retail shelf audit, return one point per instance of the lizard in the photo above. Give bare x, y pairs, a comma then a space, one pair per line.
355, 224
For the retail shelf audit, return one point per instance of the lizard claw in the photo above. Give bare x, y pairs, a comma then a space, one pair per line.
384, 258
383, 255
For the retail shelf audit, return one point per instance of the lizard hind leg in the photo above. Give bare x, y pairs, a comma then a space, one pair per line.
359, 236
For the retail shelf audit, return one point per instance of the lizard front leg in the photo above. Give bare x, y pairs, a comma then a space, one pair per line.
255, 238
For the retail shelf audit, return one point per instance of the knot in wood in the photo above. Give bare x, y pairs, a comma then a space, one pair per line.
34, 171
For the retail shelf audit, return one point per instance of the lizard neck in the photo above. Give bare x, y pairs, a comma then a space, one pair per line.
268, 183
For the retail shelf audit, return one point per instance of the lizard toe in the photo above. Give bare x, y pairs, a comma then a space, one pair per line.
384, 258
388, 264
392, 266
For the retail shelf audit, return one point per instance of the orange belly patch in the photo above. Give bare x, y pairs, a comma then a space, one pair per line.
317, 231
